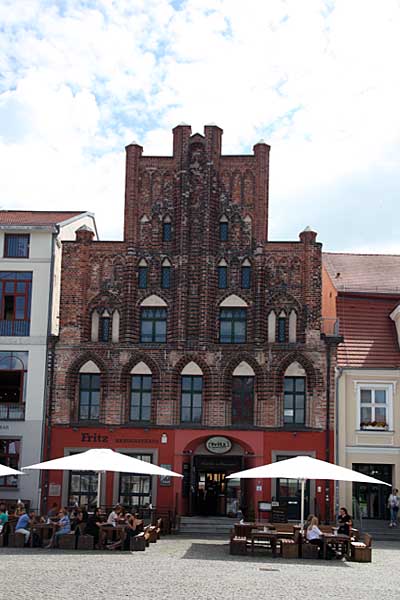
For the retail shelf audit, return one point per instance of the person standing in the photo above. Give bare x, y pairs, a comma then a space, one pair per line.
344, 521
393, 505
3, 517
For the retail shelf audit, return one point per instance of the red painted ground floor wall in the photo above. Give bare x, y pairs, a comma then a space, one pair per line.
186, 451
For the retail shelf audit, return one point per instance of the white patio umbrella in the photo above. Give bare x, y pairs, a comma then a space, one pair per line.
101, 460
6, 471
303, 468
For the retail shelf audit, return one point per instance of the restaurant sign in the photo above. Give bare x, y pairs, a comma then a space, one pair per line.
218, 444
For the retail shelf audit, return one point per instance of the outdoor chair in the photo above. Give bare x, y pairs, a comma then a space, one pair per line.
67, 541
150, 534
309, 551
361, 551
16, 540
238, 546
289, 549
138, 543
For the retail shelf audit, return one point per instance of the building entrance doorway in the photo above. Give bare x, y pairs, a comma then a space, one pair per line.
370, 499
288, 494
212, 493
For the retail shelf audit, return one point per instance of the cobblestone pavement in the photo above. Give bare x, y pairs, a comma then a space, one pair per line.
178, 567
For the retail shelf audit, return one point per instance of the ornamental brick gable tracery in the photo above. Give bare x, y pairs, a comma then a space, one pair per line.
192, 190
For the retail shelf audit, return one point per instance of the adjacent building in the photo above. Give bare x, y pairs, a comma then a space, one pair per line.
30, 264
196, 342
363, 292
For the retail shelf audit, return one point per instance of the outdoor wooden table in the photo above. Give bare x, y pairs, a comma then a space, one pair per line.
335, 541
270, 536
107, 532
40, 528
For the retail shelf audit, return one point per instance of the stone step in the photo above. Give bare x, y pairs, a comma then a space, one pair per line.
206, 525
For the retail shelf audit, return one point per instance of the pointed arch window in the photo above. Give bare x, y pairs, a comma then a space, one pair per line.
166, 274
233, 320
243, 395
191, 394
105, 327
153, 320
282, 338
223, 229
294, 401
245, 274
140, 393
89, 392
222, 275
167, 230
143, 271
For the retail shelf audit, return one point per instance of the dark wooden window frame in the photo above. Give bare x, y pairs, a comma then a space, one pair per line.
90, 389
239, 316
145, 316
9, 238
141, 389
291, 396
192, 392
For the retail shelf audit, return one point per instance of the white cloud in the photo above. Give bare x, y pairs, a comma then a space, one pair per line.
319, 80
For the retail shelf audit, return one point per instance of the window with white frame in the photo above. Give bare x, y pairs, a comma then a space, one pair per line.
375, 406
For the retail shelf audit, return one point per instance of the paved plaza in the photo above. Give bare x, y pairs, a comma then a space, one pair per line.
178, 567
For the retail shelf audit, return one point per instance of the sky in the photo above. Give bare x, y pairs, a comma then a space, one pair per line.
318, 80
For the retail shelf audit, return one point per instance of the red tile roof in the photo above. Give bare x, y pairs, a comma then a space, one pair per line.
36, 217
370, 338
373, 273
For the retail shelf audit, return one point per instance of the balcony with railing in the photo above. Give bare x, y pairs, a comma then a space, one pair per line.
12, 412
14, 328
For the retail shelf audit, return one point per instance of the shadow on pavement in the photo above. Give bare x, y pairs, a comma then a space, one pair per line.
209, 551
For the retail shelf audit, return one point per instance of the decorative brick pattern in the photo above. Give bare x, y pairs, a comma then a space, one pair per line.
194, 188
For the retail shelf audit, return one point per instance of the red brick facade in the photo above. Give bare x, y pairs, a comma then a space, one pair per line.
193, 190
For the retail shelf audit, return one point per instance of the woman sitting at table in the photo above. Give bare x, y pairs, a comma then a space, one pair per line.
314, 534
63, 527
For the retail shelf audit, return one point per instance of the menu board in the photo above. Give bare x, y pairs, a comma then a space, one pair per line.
279, 514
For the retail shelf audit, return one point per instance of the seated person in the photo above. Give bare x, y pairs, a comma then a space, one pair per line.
3, 517
93, 525
53, 511
20, 508
63, 528
79, 524
24, 522
114, 515
134, 526
344, 521
313, 533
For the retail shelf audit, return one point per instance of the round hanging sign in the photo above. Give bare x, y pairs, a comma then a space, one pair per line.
218, 444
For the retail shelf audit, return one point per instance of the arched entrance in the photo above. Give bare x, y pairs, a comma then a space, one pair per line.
212, 460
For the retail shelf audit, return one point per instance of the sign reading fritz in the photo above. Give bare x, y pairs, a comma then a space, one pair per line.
218, 444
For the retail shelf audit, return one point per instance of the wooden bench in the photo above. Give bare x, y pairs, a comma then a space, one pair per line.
361, 551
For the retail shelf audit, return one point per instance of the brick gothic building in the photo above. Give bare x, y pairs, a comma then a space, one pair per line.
195, 343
